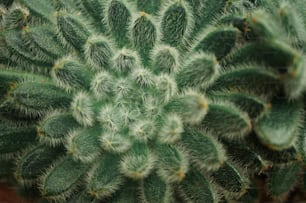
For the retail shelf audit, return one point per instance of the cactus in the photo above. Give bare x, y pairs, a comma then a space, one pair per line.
151, 100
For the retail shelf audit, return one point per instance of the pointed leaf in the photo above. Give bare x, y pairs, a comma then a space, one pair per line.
61, 179
282, 178
196, 188
278, 129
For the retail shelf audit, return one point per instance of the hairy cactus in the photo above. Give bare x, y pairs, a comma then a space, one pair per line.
152, 100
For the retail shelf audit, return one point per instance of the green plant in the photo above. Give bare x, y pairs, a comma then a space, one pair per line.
153, 101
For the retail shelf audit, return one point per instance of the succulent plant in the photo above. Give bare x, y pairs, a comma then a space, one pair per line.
151, 100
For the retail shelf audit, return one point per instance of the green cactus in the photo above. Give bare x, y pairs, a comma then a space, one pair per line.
152, 100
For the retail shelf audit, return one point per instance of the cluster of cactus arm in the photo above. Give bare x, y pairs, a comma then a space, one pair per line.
152, 100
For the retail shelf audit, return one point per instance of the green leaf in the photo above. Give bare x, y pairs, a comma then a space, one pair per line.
61, 179
262, 25
210, 9
14, 138
291, 20
129, 192
55, 127
165, 59
70, 74
199, 71
35, 161
22, 54
294, 80
281, 179
253, 79
191, 107
176, 23
144, 34
72, 30
15, 17
255, 106
138, 162
283, 156
105, 178
276, 54
218, 41
117, 17
198, 144
226, 120
36, 98
278, 129
230, 179
41, 8
84, 144
43, 40
95, 9
154, 189
247, 157
8, 79
196, 188
172, 163
98, 53
149, 6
